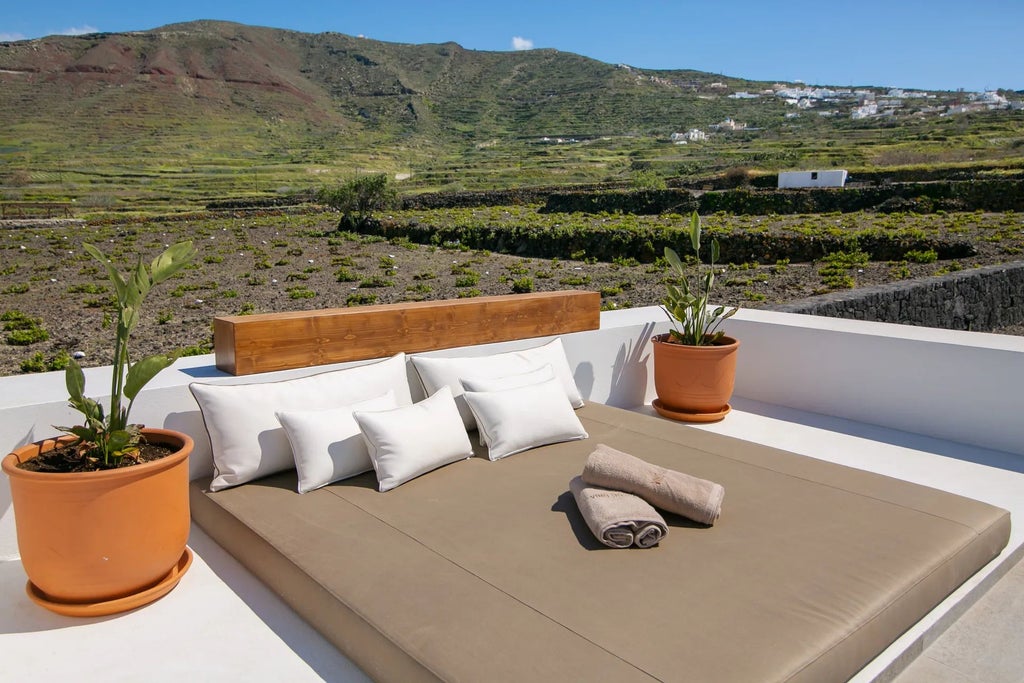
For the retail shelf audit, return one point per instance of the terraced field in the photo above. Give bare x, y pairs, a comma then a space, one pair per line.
54, 300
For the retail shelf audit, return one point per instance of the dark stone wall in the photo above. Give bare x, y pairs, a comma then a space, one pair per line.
985, 195
980, 299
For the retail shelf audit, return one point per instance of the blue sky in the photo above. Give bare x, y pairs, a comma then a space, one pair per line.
930, 44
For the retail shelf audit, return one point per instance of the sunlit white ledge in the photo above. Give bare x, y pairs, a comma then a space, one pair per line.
935, 407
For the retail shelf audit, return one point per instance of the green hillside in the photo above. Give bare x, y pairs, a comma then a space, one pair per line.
186, 113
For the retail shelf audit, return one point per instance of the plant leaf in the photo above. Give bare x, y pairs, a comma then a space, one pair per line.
173, 259
118, 440
673, 260
112, 274
74, 378
695, 231
141, 372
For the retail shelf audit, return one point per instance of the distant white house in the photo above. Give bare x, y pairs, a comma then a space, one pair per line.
692, 135
796, 179
864, 111
729, 124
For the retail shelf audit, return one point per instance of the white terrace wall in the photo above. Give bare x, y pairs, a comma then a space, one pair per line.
960, 386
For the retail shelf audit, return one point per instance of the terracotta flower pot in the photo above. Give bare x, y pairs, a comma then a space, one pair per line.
694, 382
93, 542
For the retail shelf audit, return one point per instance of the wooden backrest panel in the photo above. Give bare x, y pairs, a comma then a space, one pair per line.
248, 344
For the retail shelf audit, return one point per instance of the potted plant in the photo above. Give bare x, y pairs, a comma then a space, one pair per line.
102, 513
695, 363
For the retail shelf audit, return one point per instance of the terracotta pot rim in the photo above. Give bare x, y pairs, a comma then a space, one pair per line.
725, 342
12, 459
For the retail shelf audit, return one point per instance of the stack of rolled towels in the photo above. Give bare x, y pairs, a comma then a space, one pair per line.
617, 494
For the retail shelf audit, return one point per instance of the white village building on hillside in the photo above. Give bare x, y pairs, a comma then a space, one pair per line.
692, 135
797, 179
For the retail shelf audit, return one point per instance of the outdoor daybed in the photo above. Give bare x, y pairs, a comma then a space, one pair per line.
486, 571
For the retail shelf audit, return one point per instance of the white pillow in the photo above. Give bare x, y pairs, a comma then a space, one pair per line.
510, 382
248, 441
523, 379
327, 444
437, 372
406, 442
515, 420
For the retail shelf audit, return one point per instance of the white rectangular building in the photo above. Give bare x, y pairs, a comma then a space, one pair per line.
794, 179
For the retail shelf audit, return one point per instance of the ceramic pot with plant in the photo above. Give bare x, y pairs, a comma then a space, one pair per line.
695, 363
102, 514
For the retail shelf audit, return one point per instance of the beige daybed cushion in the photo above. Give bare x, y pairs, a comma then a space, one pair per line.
485, 571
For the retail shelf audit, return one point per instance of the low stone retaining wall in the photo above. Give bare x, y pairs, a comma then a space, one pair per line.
981, 300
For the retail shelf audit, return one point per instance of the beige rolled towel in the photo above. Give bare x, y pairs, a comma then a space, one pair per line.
696, 499
618, 519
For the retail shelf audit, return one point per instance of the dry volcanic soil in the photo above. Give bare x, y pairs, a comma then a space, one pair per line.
55, 299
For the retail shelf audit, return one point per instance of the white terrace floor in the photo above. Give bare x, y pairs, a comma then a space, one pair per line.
221, 624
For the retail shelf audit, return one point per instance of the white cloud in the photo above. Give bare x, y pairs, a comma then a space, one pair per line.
519, 43
10, 37
78, 30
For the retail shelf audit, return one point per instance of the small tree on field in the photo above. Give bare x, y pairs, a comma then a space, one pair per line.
359, 197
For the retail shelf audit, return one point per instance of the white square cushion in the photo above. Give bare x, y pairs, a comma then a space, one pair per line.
406, 442
515, 420
248, 441
438, 372
327, 444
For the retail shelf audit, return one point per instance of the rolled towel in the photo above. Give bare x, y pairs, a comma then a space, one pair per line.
618, 519
697, 499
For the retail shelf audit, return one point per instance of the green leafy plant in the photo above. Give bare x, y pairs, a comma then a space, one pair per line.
692, 323
107, 436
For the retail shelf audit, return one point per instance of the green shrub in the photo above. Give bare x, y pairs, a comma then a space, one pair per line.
522, 285
467, 279
90, 288
345, 275
19, 288
22, 329
300, 292
359, 299
39, 363
200, 349
927, 256
376, 281
357, 198
34, 363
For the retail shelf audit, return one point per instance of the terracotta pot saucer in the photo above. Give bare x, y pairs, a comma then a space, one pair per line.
684, 416
122, 604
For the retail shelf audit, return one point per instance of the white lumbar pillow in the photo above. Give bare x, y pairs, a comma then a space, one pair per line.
248, 441
509, 382
437, 372
406, 442
515, 420
327, 444
522, 379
